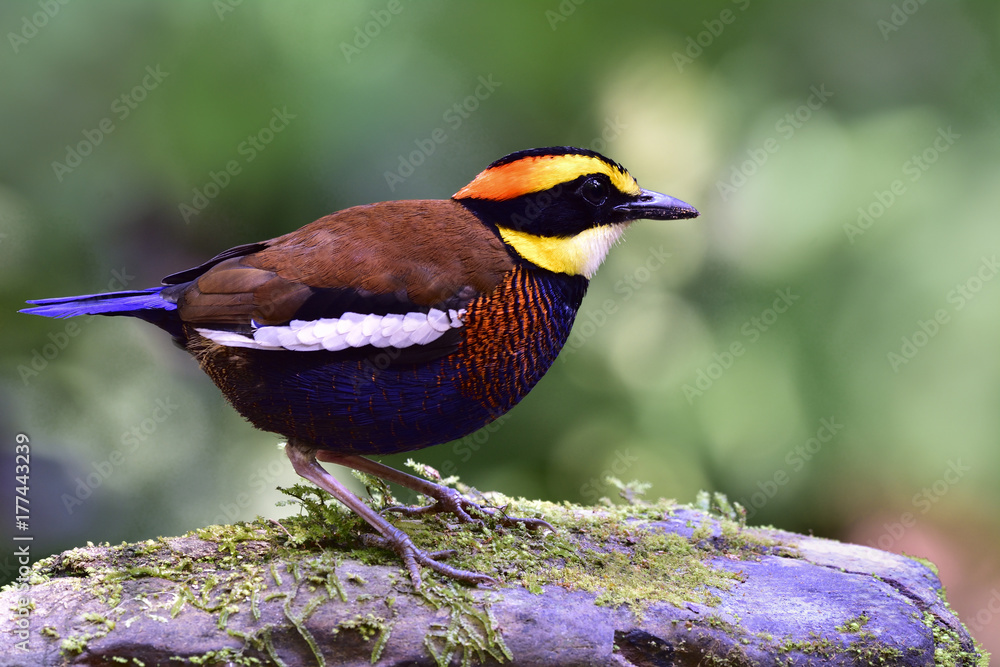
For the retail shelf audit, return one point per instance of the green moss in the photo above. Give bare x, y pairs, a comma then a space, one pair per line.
369, 627
664, 568
610, 553
299, 564
865, 649
819, 646
322, 521
222, 657
870, 652
718, 505
471, 631
299, 621
854, 625
632, 492
229, 536
704, 531
77, 642
926, 563
73, 645
718, 623
948, 649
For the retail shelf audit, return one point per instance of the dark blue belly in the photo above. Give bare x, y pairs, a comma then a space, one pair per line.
373, 401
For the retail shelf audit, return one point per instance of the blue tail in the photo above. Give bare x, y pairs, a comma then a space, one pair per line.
145, 304
109, 303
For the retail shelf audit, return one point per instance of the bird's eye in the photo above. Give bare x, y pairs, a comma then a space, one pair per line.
595, 191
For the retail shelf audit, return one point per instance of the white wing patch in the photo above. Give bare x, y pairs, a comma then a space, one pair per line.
348, 330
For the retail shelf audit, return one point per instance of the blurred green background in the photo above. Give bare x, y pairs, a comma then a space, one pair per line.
821, 344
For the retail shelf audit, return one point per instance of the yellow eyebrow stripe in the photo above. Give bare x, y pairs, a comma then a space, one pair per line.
541, 172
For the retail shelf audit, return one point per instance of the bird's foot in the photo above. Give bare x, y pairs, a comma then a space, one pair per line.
449, 500
413, 558
303, 458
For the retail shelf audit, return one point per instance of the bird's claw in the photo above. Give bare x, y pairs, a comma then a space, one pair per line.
448, 500
414, 557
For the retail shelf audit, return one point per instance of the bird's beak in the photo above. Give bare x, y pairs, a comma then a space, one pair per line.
649, 205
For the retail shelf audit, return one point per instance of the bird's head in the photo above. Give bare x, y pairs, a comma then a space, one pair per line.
563, 208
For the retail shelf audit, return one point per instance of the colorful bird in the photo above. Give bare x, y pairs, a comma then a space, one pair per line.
399, 325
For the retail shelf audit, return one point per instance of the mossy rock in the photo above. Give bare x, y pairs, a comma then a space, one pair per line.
642, 584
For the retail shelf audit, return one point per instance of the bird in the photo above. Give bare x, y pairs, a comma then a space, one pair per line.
398, 325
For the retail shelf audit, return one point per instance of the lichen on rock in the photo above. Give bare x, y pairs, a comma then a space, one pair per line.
635, 581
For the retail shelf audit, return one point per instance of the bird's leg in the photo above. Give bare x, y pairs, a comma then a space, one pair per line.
303, 458
447, 499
